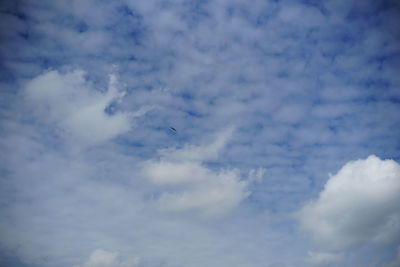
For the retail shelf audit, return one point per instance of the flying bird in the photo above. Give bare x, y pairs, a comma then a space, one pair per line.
172, 129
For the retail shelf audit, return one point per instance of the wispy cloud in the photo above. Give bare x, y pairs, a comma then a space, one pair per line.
193, 186
324, 258
103, 258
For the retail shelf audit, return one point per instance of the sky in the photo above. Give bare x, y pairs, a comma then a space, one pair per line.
286, 150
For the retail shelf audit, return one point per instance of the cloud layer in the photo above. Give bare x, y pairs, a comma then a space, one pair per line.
103, 258
90, 171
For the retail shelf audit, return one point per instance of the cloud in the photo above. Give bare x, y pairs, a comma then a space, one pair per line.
196, 187
303, 15
104, 258
323, 258
291, 113
170, 173
216, 195
71, 104
256, 175
199, 153
359, 205
395, 262
309, 85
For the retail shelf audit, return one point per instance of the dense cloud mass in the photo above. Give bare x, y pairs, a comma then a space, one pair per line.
359, 205
199, 133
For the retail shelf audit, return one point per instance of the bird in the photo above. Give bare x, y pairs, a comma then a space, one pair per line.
172, 129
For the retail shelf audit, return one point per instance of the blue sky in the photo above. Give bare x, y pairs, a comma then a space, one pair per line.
287, 144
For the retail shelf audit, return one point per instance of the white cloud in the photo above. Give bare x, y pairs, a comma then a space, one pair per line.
104, 258
358, 205
69, 101
217, 194
256, 175
199, 153
291, 113
195, 186
166, 172
301, 15
323, 258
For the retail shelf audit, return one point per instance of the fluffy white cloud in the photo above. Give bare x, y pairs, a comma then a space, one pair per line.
359, 205
70, 102
103, 258
196, 187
